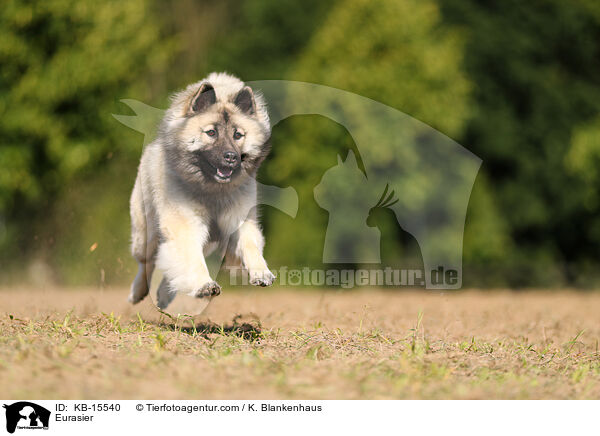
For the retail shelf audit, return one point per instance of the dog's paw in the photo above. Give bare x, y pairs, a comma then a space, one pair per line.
209, 289
134, 299
139, 288
262, 278
136, 295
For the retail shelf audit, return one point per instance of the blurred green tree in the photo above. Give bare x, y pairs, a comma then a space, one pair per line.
266, 37
395, 52
516, 83
535, 66
65, 64
255, 40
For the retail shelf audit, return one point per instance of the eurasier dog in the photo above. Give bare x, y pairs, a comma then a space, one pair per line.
195, 190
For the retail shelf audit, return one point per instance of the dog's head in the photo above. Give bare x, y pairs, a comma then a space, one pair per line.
218, 132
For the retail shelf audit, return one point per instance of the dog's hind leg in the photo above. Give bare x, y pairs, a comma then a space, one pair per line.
141, 284
164, 296
143, 244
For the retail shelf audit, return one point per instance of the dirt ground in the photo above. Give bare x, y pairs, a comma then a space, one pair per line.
90, 344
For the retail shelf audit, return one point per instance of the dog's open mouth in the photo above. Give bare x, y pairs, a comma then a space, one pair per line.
223, 175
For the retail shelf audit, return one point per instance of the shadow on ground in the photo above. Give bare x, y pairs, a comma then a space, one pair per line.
247, 327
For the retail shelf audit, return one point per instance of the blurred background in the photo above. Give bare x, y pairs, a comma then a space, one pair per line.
517, 83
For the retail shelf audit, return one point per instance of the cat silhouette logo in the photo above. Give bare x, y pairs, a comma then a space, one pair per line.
26, 415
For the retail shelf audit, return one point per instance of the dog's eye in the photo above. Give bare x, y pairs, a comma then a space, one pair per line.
237, 135
211, 132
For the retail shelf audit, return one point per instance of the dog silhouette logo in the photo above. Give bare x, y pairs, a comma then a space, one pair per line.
26, 415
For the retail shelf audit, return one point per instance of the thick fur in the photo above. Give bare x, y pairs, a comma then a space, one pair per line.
195, 190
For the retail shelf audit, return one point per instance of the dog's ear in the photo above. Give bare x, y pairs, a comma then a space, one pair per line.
245, 101
203, 99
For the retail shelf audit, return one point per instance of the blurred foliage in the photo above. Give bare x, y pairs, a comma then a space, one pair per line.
403, 56
267, 36
516, 83
64, 65
535, 68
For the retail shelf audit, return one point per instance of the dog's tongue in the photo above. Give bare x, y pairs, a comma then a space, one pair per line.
225, 172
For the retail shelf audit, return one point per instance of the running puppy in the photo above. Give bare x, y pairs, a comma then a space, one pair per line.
195, 190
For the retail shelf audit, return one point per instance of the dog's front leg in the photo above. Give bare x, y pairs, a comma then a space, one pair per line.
249, 248
181, 256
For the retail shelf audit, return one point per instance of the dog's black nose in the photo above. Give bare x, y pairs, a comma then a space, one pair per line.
230, 157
